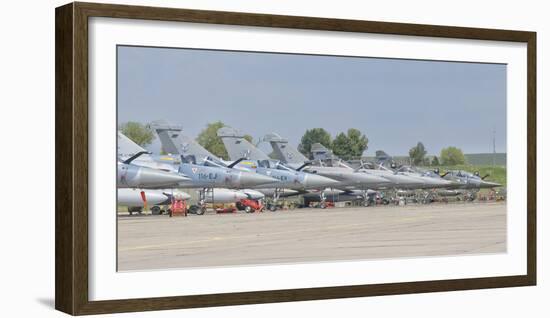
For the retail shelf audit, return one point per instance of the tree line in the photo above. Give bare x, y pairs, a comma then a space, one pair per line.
351, 144
348, 145
449, 156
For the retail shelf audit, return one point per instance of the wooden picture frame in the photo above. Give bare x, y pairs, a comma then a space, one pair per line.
71, 221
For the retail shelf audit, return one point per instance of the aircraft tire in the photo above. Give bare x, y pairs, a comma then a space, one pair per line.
155, 210
132, 209
248, 209
201, 210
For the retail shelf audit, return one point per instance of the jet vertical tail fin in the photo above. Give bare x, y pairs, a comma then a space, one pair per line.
321, 152
283, 151
126, 149
175, 142
168, 135
382, 157
238, 147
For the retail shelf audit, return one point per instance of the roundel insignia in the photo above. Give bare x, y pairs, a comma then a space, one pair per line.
194, 169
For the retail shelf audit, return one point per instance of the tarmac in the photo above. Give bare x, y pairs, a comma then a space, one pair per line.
310, 235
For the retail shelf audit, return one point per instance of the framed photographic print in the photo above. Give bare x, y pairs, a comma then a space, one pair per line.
210, 158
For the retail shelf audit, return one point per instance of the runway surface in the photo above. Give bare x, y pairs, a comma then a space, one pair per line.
310, 235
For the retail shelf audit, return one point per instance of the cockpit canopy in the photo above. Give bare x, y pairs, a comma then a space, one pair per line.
464, 174
191, 159
207, 161
273, 164
264, 163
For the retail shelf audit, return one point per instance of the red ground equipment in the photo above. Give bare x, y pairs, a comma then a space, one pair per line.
178, 207
249, 205
224, 209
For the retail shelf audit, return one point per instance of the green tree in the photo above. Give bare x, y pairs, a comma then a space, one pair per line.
208, 138
350, 145
341, 146
137, 132
451, 156
311, 136
435, 161
417, 153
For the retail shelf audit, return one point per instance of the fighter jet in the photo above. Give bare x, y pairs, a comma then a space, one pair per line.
458, 182
206, 176
137, 186
238, 147
174, 141
404, 183
349, 178
467, 180
428, 180
397, 180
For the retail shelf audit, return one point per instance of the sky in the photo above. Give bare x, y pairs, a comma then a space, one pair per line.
396, 103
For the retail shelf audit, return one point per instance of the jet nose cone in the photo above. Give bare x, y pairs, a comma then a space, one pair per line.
317, 181
489, 184
289, 192
255, 179
152, 177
